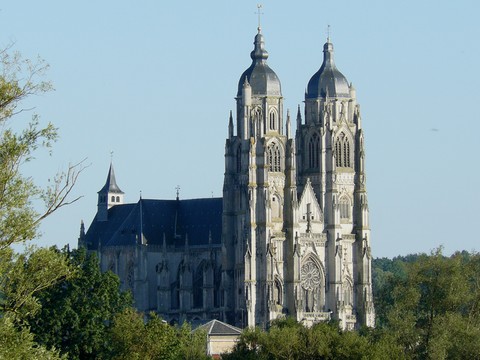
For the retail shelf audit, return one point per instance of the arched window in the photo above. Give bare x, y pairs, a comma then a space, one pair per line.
118, 198
313, 286
274, 157
239, 158
347, 293
277, 292
198, 288
113, 198
273, 122
342, 151
313, 152
344, 205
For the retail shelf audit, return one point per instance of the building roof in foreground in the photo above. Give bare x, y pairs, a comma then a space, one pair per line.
216, 327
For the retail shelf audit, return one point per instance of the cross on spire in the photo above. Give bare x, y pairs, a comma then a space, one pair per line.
259, 13
178, 191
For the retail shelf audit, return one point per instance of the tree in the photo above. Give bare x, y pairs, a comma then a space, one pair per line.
76, 313
19, 220
22, 276
433, 312
288, 339
134, 338
18, 344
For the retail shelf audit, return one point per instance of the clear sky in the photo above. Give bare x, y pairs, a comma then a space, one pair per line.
154, 81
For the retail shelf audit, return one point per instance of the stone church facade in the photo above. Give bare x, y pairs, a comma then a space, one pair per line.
291, 235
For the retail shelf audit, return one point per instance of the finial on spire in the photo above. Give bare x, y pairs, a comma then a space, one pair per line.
178, 191
328, 33
111, 156
259, 13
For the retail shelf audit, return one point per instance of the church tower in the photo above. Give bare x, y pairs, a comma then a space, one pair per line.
110, 195
296, 237
331, 161
258, 188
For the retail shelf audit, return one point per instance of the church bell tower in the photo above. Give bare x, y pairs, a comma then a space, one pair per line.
259, 176
331, 157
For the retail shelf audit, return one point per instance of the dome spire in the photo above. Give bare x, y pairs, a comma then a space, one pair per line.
328, 81
262, 79
259, 54
259, 13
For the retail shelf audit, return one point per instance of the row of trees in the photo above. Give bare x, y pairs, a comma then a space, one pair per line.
427, 308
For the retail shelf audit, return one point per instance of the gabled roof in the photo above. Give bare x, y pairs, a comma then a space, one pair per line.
216, 327
148, 220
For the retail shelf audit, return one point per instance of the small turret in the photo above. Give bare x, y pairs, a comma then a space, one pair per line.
299, 118
247, 93
81, 237
230, 126
288, 125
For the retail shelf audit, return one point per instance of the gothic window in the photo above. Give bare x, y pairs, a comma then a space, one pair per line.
347, 293
342, 151
311, 280
130, 275
313, 152
272, 118
175, 295
344, 205
239, 158
274, 157
198, 288
278, 292
217, 281
258, 114
338, 153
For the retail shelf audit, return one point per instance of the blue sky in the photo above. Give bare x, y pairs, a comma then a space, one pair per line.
154, 82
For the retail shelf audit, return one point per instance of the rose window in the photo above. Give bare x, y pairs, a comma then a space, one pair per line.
310, 276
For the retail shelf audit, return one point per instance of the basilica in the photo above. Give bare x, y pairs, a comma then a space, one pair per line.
289, 237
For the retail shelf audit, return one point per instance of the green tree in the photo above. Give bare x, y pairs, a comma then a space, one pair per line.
19, 220
22, 276
75, 313
434, 310
134, 337
18, 344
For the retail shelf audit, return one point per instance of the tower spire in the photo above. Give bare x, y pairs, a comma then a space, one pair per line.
259, 13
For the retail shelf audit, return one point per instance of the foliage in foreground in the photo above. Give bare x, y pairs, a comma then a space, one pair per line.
134, 338
18, 344
288, 339
428, 307
76, 312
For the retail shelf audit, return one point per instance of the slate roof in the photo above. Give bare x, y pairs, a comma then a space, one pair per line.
262, 79
149, 220
328, 81
216, 327
111, 183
